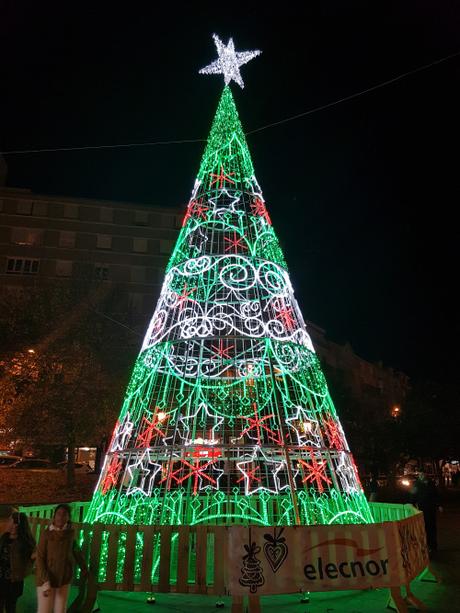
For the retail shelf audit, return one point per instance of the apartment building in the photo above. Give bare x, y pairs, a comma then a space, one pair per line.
49, 239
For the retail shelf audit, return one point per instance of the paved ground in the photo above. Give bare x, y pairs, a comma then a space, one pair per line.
440, 598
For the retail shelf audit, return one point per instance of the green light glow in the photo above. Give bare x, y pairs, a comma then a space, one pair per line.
227, 417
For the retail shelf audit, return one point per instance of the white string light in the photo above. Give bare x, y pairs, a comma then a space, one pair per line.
229, 61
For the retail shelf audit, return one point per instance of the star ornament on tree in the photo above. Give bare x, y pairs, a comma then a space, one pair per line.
229, 61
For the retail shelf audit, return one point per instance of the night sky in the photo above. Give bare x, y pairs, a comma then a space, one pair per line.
363, 195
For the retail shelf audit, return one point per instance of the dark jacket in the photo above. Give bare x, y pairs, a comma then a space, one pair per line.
20, 557
21, 560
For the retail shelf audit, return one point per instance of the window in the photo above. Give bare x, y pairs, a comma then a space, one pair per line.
21, 266
71, 211
101, 272
106, 215
140, 245
166, 247
26, 236
167, 221
104, 241
64, 268
137, 274
40, 209
67, 239
141, 218
136, 302
24, 207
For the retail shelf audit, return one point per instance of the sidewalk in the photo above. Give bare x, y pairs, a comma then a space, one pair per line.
439, 597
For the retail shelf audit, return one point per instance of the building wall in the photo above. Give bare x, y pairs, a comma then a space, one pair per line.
48, 240
45, 240
377, 388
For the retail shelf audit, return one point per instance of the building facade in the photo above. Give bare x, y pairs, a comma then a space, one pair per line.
46, 240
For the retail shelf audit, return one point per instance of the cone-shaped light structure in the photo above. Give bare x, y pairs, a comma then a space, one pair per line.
227, 417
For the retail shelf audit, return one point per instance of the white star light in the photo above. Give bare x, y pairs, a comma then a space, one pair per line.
229, 61
248, 469
184, 430
142, 473
123, 434
306, 429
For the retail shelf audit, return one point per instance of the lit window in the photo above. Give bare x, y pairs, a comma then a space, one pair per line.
26, 236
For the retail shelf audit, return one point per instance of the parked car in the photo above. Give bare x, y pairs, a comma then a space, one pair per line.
80, 467
7, 460
33, 464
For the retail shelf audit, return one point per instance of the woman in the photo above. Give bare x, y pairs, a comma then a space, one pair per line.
56, 555
17, 552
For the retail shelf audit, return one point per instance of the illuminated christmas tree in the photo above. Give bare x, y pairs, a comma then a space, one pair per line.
227, 417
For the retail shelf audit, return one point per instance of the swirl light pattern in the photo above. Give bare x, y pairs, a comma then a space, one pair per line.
227, 416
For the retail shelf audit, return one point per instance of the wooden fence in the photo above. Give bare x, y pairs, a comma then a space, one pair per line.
185, 559
180, 559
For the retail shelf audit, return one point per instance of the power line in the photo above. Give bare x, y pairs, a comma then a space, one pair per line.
266, 127
86, 147
351, 96
115, 321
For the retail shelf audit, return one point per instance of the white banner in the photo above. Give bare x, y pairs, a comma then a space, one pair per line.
323, 558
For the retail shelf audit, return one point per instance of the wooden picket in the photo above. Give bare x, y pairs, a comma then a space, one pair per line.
183, 553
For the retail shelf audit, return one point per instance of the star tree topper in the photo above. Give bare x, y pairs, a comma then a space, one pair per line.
229, 61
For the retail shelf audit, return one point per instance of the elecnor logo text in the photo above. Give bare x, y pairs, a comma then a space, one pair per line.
347, 569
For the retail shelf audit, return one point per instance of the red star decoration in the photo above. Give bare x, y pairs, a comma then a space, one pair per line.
195, 208
333, 433
316, 471
221, 178
285, 313
251, 475
145, 437
257, 424
111, 477
196, 471
184, 296
223, 352
235, 242
258, 208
